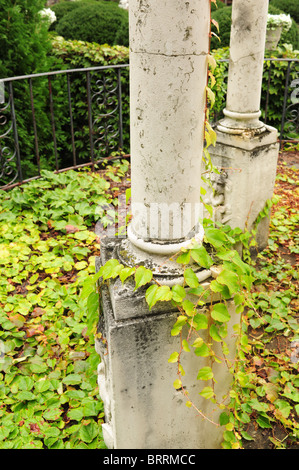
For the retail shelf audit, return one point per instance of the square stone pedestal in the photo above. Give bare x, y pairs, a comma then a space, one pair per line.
142, 408
248, 165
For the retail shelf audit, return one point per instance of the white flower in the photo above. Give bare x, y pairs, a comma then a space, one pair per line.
124, 4
48, 15
274, 21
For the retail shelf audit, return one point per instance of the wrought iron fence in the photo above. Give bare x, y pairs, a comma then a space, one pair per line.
68, 119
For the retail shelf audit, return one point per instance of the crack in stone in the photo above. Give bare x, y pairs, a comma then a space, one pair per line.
203, 53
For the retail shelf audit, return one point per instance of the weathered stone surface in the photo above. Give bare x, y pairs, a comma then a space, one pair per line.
250, 171
142, 408
168, 66
247, 47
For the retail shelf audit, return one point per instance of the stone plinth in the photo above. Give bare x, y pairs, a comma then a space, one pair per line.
142, 408
246, 149
247, 179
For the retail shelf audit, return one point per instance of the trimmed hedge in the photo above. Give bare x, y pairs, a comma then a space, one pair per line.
61, 9
223, 17
100, 22
288, 6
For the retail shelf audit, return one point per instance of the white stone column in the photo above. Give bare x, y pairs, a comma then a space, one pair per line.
246, 148
247, 48
168, 70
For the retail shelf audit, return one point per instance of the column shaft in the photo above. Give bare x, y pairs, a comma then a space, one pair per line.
168, 65
247, 48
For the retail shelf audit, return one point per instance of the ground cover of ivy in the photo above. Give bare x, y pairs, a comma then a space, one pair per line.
266, 397
48, 390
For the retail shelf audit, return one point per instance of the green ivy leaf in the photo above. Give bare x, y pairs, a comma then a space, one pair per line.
184, 257
157, 293
200, 321
214, 333
72, 379
125, 273
178, 293
201, 256
142, 276
88, 432
284, 407
177, 384
177, 327
229, 279
220, 313
216, 237
207, 393
191, 278
111, 269
223, 419
203, 351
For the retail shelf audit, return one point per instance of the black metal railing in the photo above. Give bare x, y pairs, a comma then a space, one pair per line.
68, 119
75, 120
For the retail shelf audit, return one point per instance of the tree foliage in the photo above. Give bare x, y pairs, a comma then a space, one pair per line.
24, 41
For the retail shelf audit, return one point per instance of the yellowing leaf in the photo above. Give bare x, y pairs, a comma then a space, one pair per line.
215, 23
211, 96
173, 357
211, 62
177, 384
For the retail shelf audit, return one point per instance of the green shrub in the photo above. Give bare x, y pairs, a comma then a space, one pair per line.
288, 6
24, 41
98, 22
223, 17
292, 35
66, 6
220, 73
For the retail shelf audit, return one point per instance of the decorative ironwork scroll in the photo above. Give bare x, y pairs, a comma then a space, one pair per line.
105, 99
8, 148
291, 124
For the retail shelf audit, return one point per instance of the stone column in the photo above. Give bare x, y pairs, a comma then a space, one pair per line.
168, 71
247, 48
246, 149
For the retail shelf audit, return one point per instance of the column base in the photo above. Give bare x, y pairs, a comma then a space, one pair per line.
142, 408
